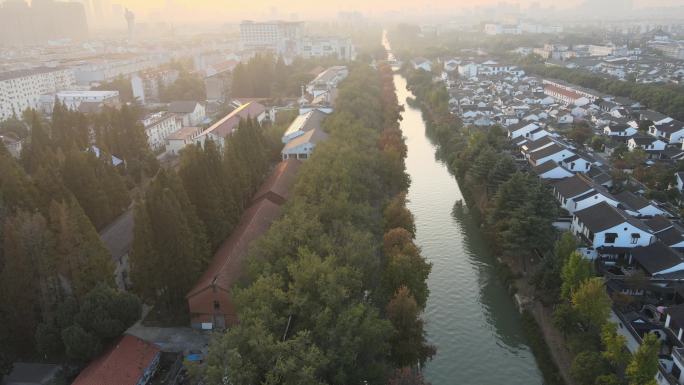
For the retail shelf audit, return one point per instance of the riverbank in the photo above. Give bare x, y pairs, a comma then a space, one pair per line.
547, 343
470, 315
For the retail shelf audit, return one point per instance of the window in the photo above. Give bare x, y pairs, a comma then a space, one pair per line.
216, 305
610, 237
635, 238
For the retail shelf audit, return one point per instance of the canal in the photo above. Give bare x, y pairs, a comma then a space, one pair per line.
470, 316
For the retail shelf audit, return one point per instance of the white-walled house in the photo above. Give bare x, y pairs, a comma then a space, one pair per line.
603, 225
672, 131
638, 206
303, 124
576, 163
421, 63
531, 146
619, 130
554, 152
521, 129
592, 198
551, 170
192, 113
680, 181
567, 190
537, 134
303, 146
645, 143
158, 127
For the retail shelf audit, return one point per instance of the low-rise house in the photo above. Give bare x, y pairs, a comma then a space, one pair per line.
658, 260
181, 138
679, 176
529, 147
619, 130
130, 361
592, 198
210, 301
646, 143
327, 80
551, 170
158, 127
521, 129
554, 152
536, 134
229, 123
668, 232
191, 113
637, 206
302, 147
421, 63
671, 131
603, 225
576, 163
566, 190
303, 124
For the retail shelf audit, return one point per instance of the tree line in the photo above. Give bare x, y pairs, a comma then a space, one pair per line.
518, 212
56, 276
336, 286
185, 215
268, 76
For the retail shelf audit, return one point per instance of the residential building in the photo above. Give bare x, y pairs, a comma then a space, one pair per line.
301, 147
181, 138
229, 123
303, 124
554, 152
73, 99
421, 63
130, 361
637, 205
646, 143
158, 127
210, 301
551, 170
340, 48
280, 37
603, 225
22, 89
327, 80
191, 113
619, 130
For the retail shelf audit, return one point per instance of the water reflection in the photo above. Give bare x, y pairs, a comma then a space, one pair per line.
469, 315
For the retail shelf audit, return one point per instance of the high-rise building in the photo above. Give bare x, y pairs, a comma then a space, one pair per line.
20, 90
280, 37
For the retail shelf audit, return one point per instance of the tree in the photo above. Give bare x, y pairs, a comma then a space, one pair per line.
565, 318
591, 302
614, 345
107, 313
409, 346
408, 270
80, 345
580, 133
587, 367
635, 158
170, 248
407, 376
397, 215
607, 379
83, 258
644, 364
576, 270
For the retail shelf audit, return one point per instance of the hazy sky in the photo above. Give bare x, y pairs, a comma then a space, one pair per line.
232, 10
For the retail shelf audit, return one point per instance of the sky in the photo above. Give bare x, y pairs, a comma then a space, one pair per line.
234, 10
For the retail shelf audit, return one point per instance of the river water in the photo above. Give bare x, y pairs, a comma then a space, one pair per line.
469, 316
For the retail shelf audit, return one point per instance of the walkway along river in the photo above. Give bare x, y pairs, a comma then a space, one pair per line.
470, 316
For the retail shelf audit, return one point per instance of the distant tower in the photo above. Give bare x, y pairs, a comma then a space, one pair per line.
130, 20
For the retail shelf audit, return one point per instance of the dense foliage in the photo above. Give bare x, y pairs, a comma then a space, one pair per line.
266, 76
325, 304
53, 200
186, 215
